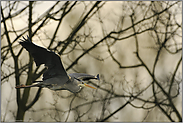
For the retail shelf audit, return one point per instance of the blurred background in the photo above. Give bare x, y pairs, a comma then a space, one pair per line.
135, 46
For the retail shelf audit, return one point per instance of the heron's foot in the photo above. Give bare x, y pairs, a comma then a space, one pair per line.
20, 86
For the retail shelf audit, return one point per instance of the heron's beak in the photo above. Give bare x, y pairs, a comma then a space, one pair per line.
86, 85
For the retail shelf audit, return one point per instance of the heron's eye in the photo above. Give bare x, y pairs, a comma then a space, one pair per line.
82, 82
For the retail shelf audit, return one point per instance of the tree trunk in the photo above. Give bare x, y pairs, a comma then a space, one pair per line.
20, 114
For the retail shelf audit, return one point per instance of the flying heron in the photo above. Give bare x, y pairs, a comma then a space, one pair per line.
55, 77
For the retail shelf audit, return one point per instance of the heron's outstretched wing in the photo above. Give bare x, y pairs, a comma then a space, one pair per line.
84, 76
44, 56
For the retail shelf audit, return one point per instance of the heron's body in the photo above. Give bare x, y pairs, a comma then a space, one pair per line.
55, 77
56, 84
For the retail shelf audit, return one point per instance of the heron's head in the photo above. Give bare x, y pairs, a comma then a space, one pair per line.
83, 84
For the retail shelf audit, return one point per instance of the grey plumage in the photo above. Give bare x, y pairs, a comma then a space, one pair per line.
55, 77
84, 76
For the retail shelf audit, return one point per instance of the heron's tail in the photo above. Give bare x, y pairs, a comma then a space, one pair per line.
36, 81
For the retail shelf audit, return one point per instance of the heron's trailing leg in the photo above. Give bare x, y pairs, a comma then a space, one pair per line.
27, 86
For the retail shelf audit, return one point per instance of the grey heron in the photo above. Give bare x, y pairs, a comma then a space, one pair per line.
55, 77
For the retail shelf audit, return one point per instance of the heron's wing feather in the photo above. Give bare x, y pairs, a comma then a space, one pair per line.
84, 76
44, 56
